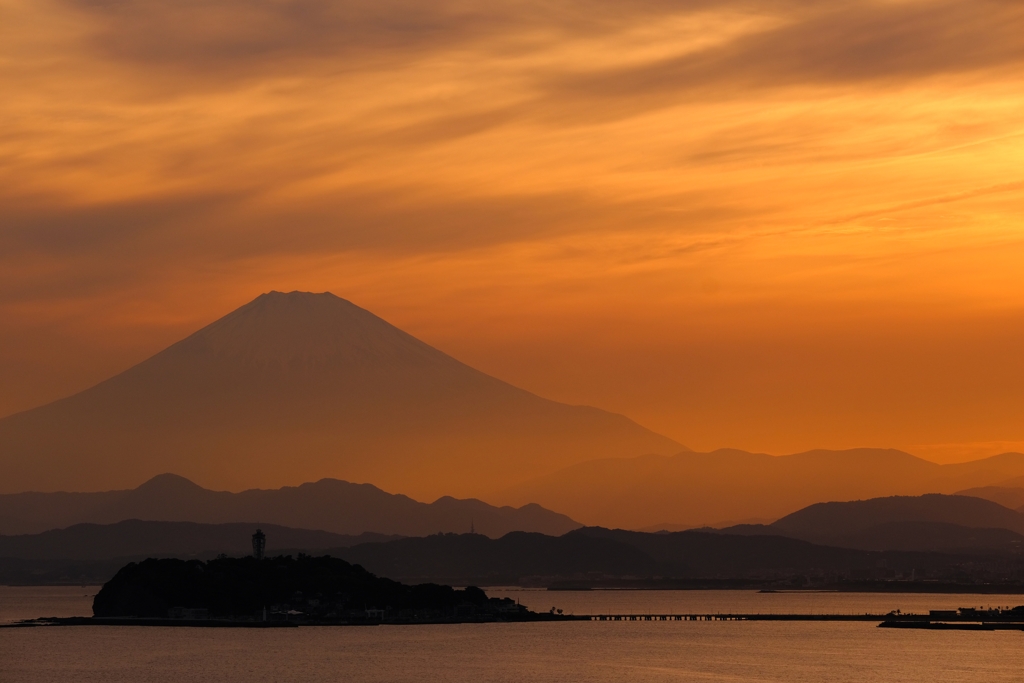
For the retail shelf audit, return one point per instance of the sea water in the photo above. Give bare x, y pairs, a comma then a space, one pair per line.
572, 651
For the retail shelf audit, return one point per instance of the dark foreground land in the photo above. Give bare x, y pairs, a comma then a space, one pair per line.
288, 591
285, 590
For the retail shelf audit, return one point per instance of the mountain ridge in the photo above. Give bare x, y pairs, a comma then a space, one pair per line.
926, 523
823, 520
296, 387
329, 505
592, 556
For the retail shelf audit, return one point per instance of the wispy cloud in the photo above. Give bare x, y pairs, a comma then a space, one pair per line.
758, 168
832, 44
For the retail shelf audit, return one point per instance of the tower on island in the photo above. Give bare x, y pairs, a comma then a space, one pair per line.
259, 544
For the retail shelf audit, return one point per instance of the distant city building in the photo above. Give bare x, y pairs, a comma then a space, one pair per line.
259, 544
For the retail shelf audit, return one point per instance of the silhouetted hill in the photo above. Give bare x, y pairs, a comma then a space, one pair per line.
476, 559
696, 553
1012, 483
296, 387
588, 556
329, 505
136, 539
829, 520
930, 522
1008, 496
911, 536
596, 555
932, 537
697, 489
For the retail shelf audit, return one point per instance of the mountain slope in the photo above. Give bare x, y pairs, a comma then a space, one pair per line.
928, 523
329, 505
696, 489
90, 553
823, 521
296, 387
1006, 496
595, 555
904, 536
931, 537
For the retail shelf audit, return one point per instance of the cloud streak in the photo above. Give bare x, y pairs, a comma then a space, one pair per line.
839, 44
651, 176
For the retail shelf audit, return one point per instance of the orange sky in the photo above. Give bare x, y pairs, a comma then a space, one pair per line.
766, 225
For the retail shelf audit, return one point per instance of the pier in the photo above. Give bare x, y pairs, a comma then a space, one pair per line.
964, 618
961, 619
734, 617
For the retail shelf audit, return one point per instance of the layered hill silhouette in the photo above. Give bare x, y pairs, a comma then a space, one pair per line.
136, 540
596, 556
87, 552
932, 522
823, 521
704, 489
1008, 494
328, 505
296, 387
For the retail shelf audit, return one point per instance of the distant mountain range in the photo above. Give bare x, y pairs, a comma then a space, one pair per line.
328, 505
87, 553
934, 537
589, 554
595, 556
929, 523
703, 489
297, 387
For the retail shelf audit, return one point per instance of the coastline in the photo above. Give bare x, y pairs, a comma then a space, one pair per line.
963, 620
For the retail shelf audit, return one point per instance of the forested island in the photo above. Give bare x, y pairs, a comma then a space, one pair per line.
302, 589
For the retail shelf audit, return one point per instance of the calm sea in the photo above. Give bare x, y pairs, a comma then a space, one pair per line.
589, 651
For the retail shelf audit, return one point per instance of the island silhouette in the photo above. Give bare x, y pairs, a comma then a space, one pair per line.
303, 589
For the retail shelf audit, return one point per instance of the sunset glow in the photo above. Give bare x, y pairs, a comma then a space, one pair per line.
770, 225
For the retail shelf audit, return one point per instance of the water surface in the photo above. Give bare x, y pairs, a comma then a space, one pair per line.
745, 602
622, 652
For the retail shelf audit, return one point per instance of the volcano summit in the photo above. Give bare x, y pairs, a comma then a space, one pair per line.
296, 387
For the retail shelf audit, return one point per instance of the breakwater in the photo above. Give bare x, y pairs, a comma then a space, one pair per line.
963, 618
